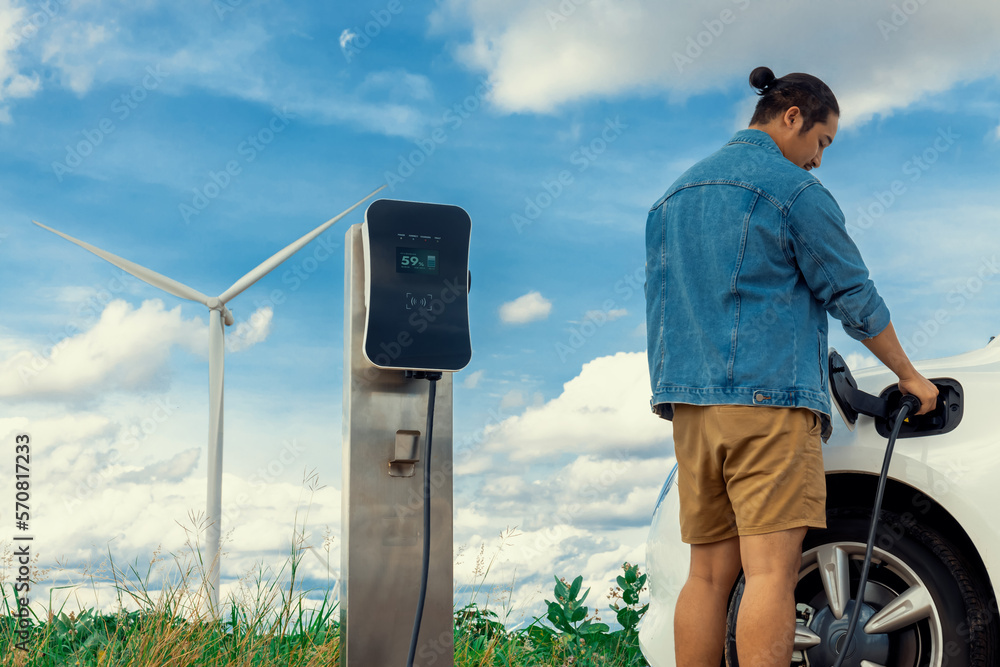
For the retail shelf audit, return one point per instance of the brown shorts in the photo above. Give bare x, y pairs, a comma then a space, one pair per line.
747, 470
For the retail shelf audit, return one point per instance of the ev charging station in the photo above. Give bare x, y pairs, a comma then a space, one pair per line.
406, 324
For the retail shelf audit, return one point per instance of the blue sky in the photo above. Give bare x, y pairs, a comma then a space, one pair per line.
198, 138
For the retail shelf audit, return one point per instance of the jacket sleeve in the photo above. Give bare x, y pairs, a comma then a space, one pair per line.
816, 237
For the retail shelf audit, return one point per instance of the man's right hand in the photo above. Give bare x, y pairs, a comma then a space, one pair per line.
923, 389
885, 346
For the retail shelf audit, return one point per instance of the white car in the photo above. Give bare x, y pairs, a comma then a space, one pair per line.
931, 598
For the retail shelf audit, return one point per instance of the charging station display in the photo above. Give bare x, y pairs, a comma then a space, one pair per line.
416, 286
417, 260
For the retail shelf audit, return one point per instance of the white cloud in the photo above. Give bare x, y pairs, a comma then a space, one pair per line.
528, 308
398, 85
541, 57
605, 316
857, 360
88, 45
585, 515
174, 469
471, 381
253, 330
15, 28
126, 349
594, 491
23, 86
605, 409
68, 47
109, 491
346, 37
512, 399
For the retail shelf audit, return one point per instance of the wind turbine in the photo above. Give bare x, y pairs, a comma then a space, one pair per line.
218, 313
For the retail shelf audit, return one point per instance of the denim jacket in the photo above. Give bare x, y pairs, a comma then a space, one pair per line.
746, 253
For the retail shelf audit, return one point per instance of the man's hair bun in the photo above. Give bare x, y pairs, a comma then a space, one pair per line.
813, 97
761, 78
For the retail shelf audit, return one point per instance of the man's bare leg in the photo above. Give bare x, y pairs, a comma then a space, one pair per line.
700, 615
765, 628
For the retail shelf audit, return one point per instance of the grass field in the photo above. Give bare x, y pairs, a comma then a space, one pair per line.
274, 621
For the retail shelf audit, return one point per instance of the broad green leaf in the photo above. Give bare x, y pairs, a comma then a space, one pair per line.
622, 582
594, 628
561, 590
628, 618
575, 588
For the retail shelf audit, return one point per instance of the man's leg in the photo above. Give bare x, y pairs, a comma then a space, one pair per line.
765, 628
700, 616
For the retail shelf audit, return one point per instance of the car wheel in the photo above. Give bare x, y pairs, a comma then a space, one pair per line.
923, 607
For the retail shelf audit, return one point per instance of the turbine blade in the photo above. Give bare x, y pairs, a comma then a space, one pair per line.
277, 258
141, 272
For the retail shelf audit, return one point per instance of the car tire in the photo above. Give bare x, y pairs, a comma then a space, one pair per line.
954, 626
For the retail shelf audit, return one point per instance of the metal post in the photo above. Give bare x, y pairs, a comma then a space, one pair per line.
213, 518
382, 506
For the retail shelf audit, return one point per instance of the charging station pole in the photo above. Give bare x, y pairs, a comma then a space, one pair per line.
382, 501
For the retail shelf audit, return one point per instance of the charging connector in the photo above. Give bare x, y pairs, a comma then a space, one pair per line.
432, 377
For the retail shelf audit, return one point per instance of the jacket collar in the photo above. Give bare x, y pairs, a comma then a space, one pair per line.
757, 138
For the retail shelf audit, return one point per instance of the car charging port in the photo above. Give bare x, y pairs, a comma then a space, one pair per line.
852, 402
945, 416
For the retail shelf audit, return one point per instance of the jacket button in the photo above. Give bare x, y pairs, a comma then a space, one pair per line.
758, 397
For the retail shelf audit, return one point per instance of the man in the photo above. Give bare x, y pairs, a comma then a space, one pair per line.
746, 254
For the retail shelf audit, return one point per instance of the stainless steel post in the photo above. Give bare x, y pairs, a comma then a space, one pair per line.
382, 502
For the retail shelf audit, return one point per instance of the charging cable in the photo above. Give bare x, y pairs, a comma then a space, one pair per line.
908, 404
432, 377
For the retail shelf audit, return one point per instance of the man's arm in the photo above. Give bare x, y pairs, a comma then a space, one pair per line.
835, 272
886, 347
818, 243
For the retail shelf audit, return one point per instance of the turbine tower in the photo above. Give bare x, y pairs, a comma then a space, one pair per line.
217, 315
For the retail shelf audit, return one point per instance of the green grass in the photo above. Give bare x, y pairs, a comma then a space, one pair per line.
273, 621
167, 629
